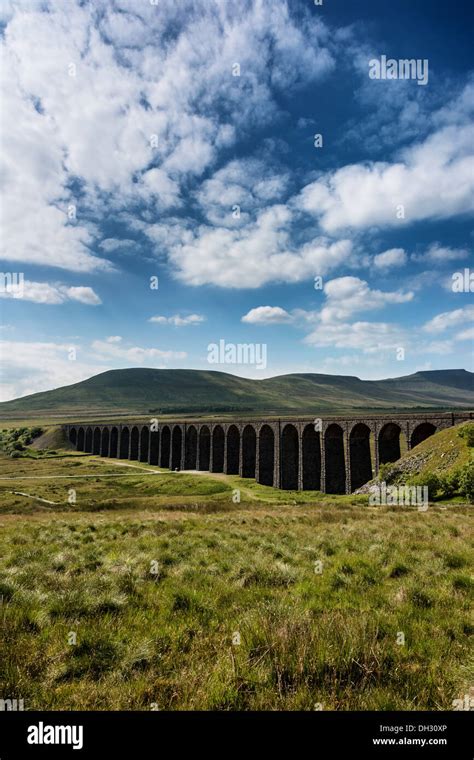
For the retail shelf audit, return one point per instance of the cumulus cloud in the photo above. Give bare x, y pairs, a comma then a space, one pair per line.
439, 254
239, 188
434, 178
177, 320
467, 334
368, 337
394, 112
30, 367
267, 315
133, 354
84, 295
49, 293
395, 257
346, 296
259, 253
449, 319
114, 244
151, 87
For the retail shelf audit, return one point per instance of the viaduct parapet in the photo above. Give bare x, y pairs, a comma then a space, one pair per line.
333, 454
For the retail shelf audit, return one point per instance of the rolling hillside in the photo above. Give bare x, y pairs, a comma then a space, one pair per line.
442, 456
143, 391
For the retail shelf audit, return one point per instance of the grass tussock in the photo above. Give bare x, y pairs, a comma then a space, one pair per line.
257, 608
128, 587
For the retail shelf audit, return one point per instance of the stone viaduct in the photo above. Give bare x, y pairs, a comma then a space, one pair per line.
332, 455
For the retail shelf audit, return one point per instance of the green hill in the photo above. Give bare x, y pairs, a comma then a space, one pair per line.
444, 462
141, 391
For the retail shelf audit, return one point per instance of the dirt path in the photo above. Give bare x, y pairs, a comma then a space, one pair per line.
32, 496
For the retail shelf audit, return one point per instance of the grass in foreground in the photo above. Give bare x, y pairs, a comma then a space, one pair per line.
157, 599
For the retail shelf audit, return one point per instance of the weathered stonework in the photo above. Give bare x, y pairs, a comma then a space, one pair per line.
331, 454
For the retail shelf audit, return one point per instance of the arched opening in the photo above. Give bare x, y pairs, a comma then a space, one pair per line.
421, 433
249, 451
113, 450
204, 447
80, 439
96, 441
73, 436
144, 443
191, 448
154, 446
104, 444
335, 460
134, 441
311, 459
124, 443
389, 443
176, 446
165, 447
218, 449
266, 455
289, 458
359, 455
233, 446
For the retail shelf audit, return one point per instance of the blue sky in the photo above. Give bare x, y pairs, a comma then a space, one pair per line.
177, 141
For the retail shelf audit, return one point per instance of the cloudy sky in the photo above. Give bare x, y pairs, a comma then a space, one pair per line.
165, 188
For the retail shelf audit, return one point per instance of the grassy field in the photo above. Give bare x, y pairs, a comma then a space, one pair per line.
131, 588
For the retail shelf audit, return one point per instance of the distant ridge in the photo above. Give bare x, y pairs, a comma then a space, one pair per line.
184, 391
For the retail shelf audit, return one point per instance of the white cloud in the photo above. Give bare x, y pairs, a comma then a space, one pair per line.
33, 367
105, 349
247, 183
259, 253
395, 257
439, 254
84, 295
346, 296
434, 179
368, 337
35, 223
157, 184
51, 293
467, 334
178, 321
152, 90
439, 347
30, 367
267, 315
114, 244
449, 319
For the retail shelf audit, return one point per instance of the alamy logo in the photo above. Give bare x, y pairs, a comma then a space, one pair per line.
42, 734
237, 353
467, 703
399, 496
12, 705
405, 68
463, 282
13, 283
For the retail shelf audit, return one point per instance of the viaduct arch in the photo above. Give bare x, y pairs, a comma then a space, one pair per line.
336, 455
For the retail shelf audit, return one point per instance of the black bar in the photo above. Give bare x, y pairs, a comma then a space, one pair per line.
314, 734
